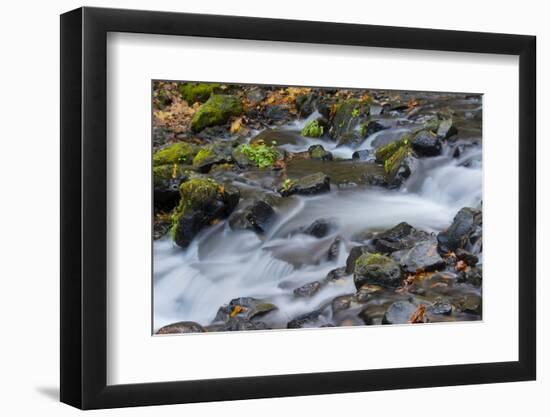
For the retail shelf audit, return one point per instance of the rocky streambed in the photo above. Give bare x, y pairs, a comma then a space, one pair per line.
296, 207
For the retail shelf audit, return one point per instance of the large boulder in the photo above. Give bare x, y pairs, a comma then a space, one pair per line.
202, 202
373, 268
463, 233
216, 111
354, 254
310, 184
399, 160
402, 236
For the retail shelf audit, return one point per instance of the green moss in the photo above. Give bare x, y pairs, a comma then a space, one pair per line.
372, 259
169, 171
193, 92
355, 112
204, 153
392, 164
260, 154
195, 192
287, 184
216, 111
384, 152
177, 153
313, 129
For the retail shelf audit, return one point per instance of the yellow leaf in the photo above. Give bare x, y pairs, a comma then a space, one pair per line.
236, 310
236, 125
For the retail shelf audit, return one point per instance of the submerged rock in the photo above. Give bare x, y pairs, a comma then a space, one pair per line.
472, 276
310, 184
463, 232
181, 327
372, 268
469, 303
334, 249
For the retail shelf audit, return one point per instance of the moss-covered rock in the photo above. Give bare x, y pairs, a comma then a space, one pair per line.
216, 111
346, 122
166, 181
310, 184
313, 129
176, 153
213, 154
318, 152
384, 152
203, 202
193, 92
374, 268
257, 154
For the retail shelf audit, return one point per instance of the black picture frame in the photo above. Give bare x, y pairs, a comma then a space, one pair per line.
84, 207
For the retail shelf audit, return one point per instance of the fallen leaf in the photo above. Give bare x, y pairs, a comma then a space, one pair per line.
236, 310
236, 125
419, 315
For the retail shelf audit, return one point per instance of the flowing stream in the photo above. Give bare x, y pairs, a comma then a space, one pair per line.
222, 264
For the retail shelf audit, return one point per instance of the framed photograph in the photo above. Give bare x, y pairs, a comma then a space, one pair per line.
261, 208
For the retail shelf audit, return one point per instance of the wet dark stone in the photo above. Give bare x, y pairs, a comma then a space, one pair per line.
426, 144
469, 303
181, 327
334, 249
311, 319
341, 303
469, 258
308, 290
336, 274
237, 324
319, 228
244, 307
318, 152
441, 308
422, 257
459, 235
446, 129
276, 113
310, 184
354, 254
473, 276
364, 155
257, 217
376, 269
399, 312
401, 236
